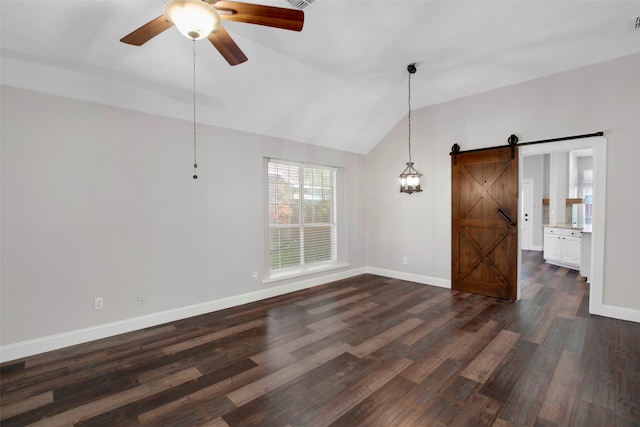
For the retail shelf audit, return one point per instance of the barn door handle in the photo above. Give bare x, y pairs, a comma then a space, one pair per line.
505, 217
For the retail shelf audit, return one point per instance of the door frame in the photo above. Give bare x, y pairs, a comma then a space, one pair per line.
529, 219
599, 146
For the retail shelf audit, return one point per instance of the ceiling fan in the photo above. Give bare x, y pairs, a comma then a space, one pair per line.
197, 19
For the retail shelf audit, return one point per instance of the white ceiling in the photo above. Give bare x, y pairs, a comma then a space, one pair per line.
340, 83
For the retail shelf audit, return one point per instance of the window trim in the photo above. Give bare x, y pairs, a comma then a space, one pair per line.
316, 267
311, 269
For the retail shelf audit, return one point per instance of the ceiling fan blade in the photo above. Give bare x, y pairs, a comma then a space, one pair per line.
270, 16
226, 46
147, 31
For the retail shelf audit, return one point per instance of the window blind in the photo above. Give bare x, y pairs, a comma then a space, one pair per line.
302, 215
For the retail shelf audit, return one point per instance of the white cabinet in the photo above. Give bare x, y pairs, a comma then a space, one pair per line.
562, 247
553, 245
585, 259
571, 248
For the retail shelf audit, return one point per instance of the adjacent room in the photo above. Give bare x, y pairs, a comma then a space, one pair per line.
277, 216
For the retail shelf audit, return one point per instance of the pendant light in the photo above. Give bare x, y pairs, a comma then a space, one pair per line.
410, 178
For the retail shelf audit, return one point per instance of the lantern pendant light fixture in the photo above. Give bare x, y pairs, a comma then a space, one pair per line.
410, 178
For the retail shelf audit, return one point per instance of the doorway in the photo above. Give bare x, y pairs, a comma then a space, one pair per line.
598, 145
527, 214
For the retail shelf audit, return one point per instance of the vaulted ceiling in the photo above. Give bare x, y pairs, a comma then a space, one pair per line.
341, 82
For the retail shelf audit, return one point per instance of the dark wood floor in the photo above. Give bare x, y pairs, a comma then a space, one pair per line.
367, 351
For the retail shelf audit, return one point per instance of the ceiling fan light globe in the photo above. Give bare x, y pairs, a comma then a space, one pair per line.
194, 19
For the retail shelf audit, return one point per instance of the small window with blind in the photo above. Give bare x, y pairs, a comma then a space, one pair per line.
302, 217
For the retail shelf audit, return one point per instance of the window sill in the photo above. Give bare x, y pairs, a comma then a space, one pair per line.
304, 272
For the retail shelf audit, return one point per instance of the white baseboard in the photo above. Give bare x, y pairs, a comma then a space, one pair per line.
79, 336
410, 277
615, 312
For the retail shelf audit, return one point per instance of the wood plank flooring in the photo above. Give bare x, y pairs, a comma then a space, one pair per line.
366, 351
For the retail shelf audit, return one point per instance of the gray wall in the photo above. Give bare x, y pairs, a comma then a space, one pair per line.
99, 201
603, 96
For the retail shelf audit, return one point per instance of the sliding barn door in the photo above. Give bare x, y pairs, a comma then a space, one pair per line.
484, 196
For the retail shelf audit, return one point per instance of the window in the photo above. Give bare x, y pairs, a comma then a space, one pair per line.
302, 216
587, 195
588, 206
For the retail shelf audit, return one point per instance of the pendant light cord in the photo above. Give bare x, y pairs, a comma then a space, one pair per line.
409, 102
195, 151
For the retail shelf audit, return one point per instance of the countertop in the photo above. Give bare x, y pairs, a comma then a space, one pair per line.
584, 229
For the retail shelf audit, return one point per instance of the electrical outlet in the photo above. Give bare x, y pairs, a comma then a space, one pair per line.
405, 261
141, 298
634, 23
255, 275
98, 303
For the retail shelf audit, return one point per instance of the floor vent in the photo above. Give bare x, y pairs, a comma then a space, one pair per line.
300, 4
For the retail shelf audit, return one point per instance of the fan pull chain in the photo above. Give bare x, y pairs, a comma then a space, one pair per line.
195, 151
